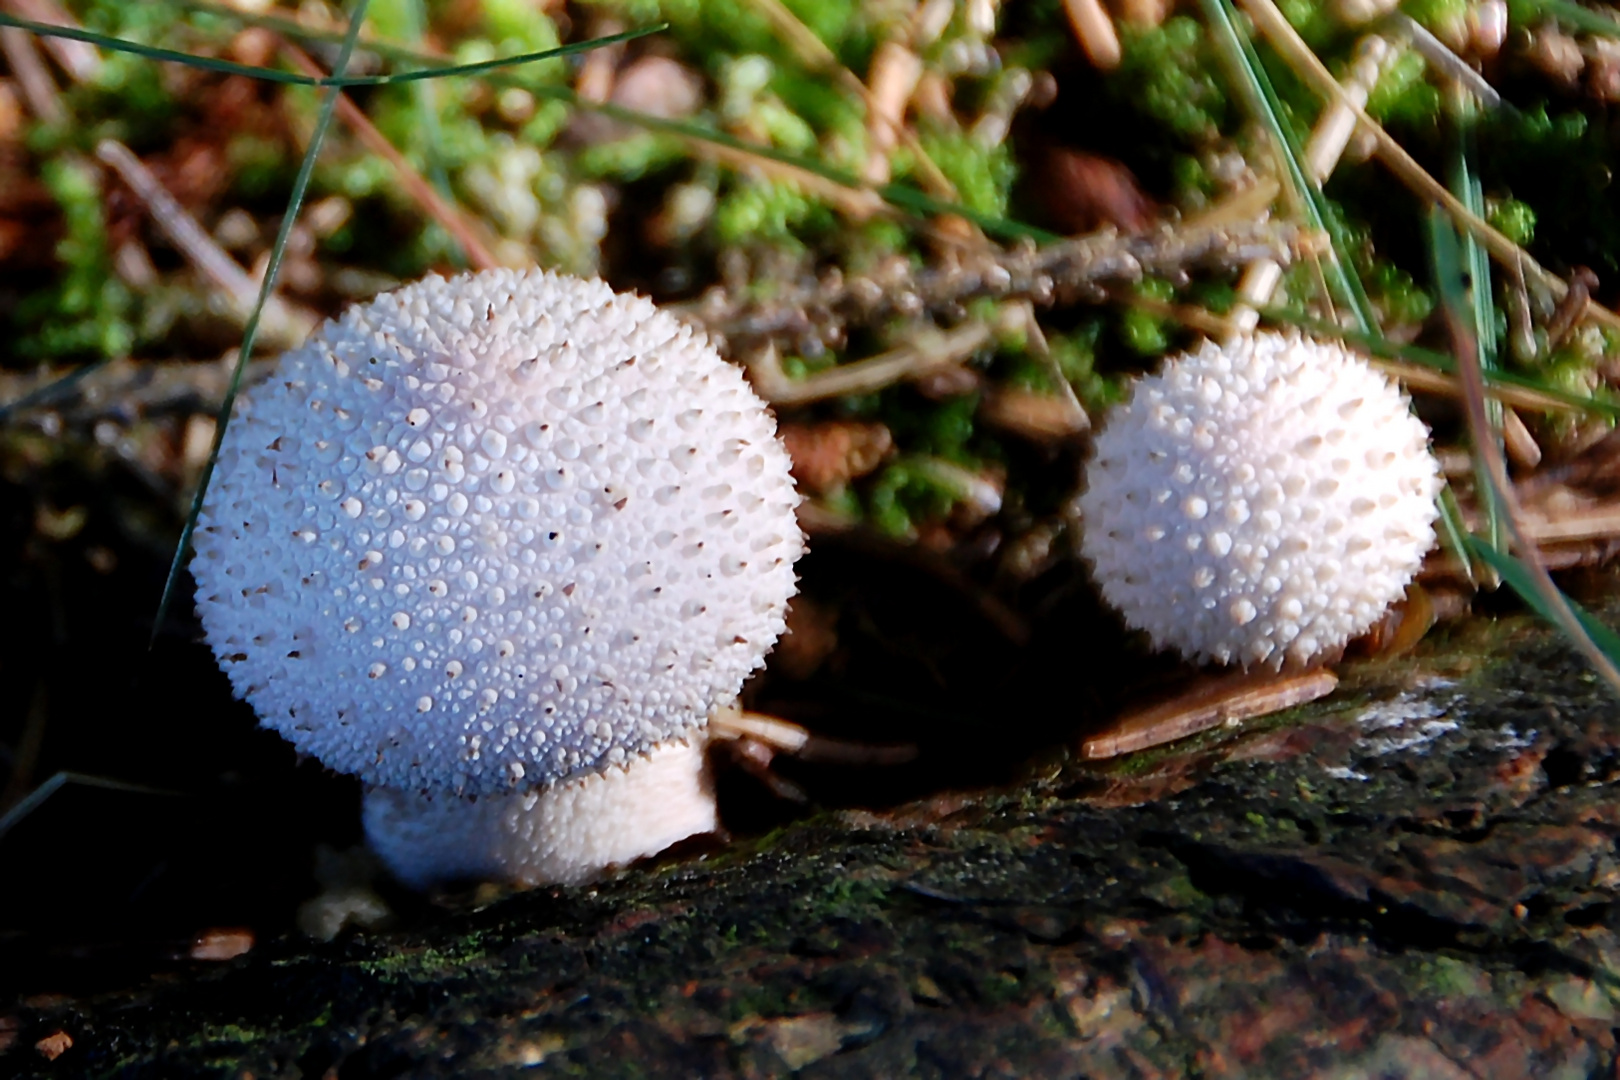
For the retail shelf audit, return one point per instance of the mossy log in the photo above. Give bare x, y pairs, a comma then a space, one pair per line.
1415, 877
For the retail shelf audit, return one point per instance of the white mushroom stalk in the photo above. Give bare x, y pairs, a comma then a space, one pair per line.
1259, 502
510, 536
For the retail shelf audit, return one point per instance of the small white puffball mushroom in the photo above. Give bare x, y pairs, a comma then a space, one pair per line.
483, 535
563, 834
1260, 502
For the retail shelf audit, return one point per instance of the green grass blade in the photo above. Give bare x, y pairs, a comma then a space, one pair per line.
1454, 533
1531, 580
1255, 85
290, 78
1466, 186
50, 391
272, 272
1520, 578
36, 798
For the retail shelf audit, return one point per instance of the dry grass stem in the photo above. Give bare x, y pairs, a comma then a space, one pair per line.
896, 71
1247, 205
1094, 28
856, 203
1315, 74
38, 89
1224, 701
80, 59
930, 352
1041, 417
1431, 381
733, 723
1599, 522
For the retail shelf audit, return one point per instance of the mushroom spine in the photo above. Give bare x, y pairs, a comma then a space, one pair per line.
485, 535
1259, 502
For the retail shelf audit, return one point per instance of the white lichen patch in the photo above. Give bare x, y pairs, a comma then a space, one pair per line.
1260, 502
1409, 722
484, 534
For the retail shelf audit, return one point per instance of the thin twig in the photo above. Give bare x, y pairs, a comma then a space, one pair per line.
81, 60
38, 89
283, 324
929, 352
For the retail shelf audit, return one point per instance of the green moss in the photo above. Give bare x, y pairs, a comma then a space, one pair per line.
519, 26
1145, 333
1165, 76
630, 158
1403, 93
769, 211
1513, 219
86, 310
905, 494
1075, 354
1397, 294
1313, 19
1441, 16
983, 176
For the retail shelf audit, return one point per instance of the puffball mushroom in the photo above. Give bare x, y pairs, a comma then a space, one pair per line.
509, 536
1259, 502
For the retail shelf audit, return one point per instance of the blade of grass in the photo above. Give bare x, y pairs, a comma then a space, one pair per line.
1478, 297
1538, 588
1522, 580
272, 273
1454, 533
44, 395
1256, 88
276, 75
36, 798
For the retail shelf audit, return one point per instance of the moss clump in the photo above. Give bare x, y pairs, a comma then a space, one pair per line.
1166, 76
86, 310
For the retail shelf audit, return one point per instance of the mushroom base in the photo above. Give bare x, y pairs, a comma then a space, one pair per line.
561, 835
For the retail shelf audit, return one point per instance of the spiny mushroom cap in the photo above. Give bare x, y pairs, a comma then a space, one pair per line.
1258, 502
562, 835
492, 532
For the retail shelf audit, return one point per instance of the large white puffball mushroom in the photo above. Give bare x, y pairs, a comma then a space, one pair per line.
562, 834
485, 534
1262, 501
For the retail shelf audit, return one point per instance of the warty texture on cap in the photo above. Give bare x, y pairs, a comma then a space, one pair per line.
1264, 501
486, 533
